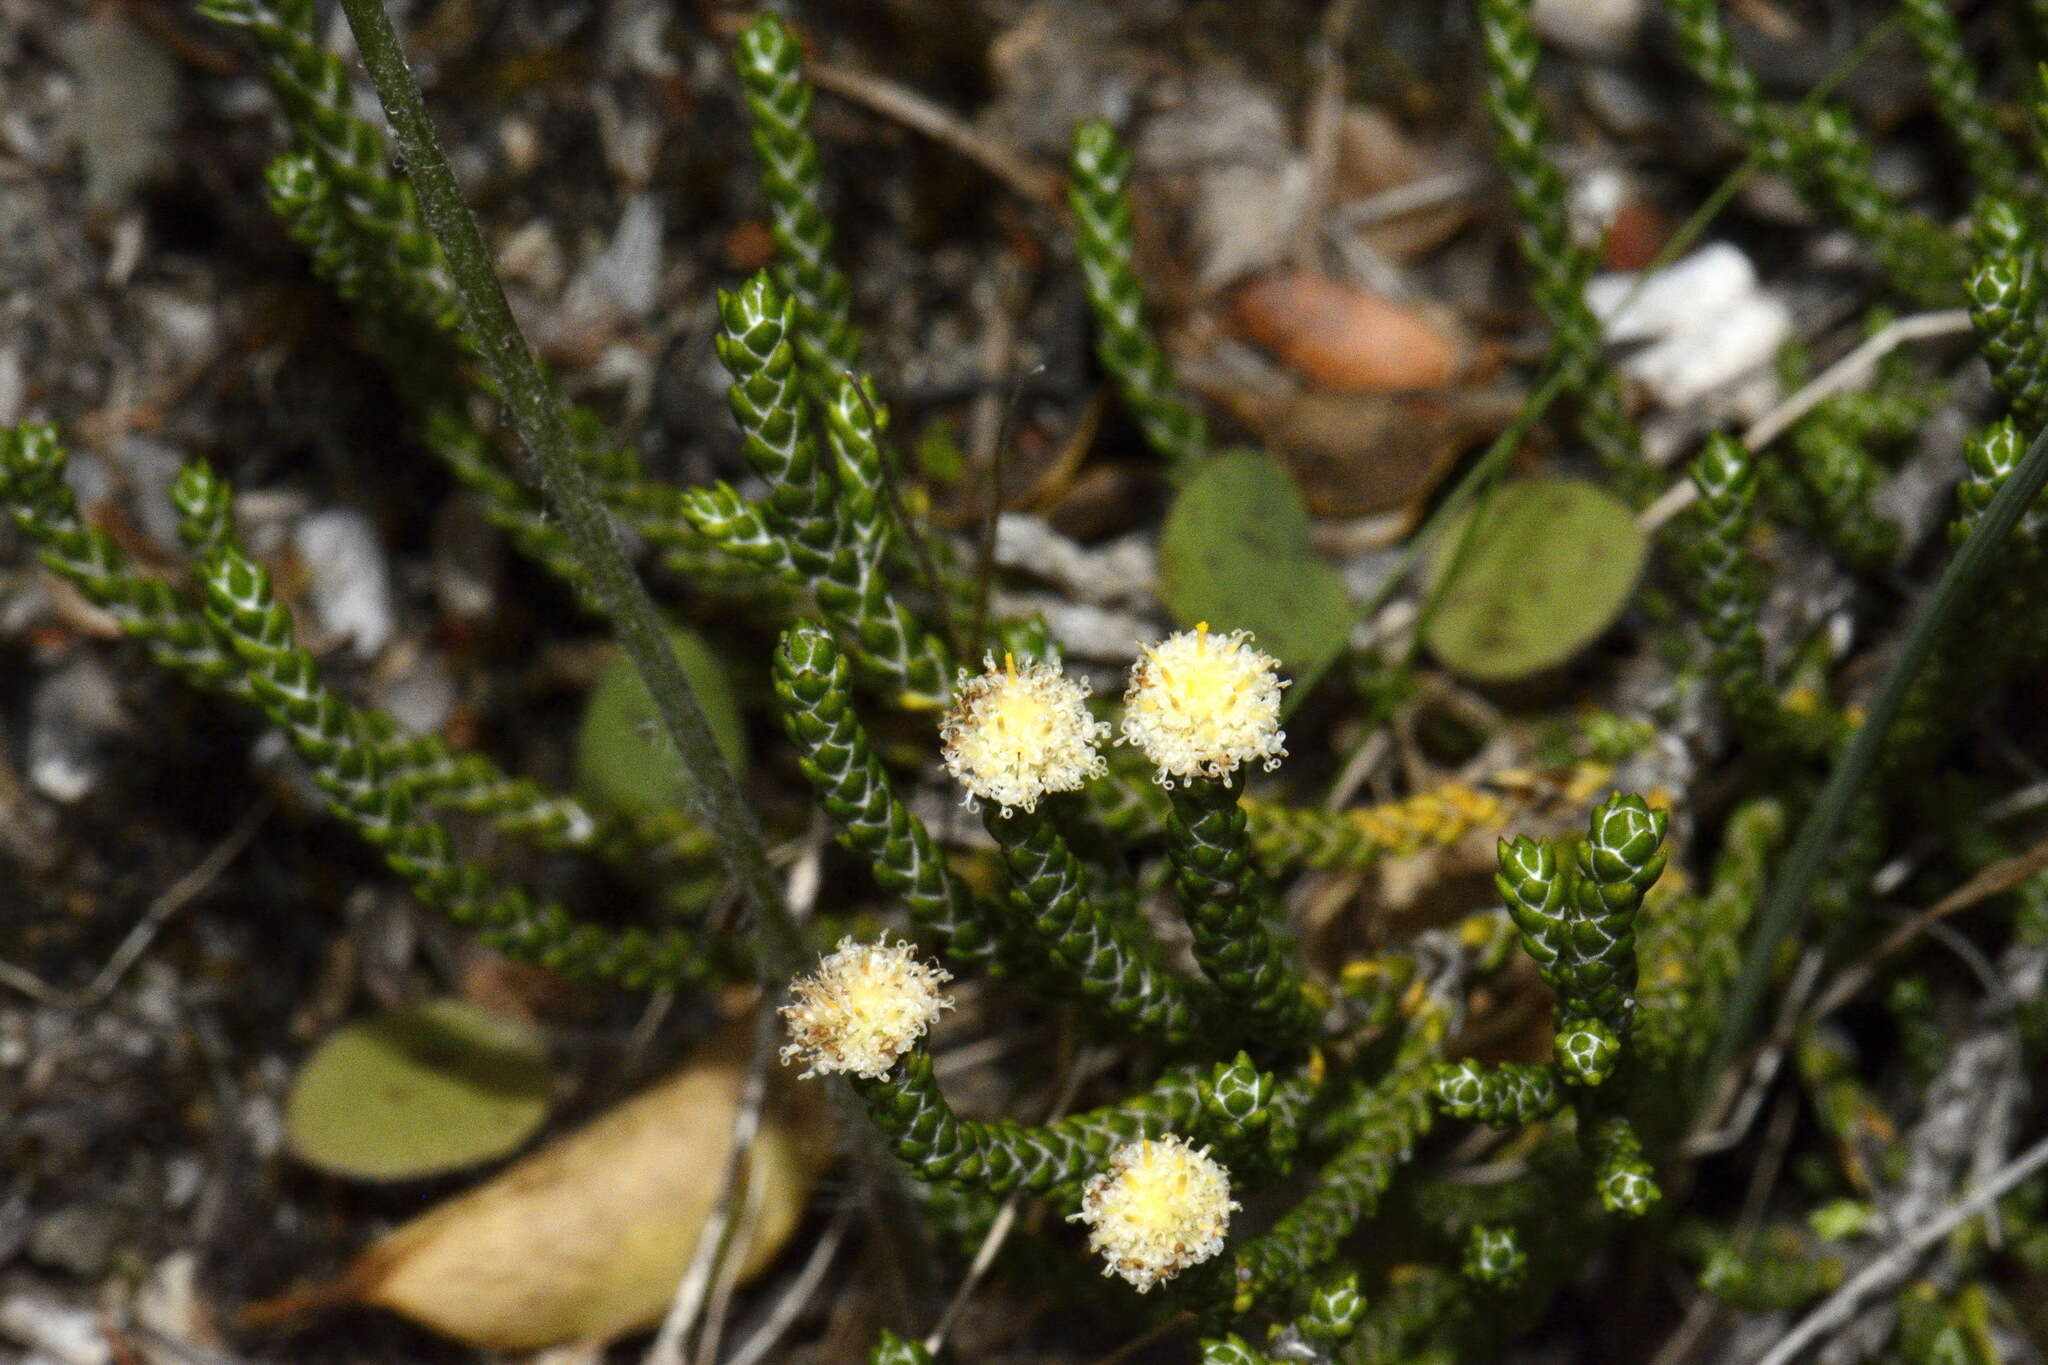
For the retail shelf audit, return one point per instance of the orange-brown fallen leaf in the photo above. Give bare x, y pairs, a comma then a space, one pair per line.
1344, 339
584, 1240
1362, 454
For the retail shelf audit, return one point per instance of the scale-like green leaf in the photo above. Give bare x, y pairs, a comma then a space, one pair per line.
1235, 553
418, 1092
1549, 565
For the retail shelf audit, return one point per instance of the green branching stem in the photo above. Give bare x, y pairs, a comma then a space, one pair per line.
1001, 1156
812, 679
2006, 295
770, 63
1953, 78
825, 521
370, 792
1229, 911
1958, 585
1108, 957
32, 460
1099, 178
1512, 1093
713, 793
1817, 148
1561, 267
1388, 1121
1727, 582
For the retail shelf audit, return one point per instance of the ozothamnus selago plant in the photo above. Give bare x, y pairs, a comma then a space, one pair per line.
1335, 1078
1272, 1102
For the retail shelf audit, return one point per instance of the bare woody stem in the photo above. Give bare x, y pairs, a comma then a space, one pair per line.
713, 793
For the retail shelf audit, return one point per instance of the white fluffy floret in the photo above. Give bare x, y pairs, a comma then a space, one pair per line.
1161, 1207
1201, 704
1020, 732
867, 1005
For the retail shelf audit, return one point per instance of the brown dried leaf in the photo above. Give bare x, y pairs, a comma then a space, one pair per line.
1375, 155
585, 1240
1349, 340
1361, 454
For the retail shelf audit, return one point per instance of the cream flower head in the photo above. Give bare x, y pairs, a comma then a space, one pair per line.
867, 1005
1161, 1207
1017, 733
1201, 704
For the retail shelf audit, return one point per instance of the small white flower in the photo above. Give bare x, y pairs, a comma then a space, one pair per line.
867, 1005
1017, 733
1161, 1207
1201, 704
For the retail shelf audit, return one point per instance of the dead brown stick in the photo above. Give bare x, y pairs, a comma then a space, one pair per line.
1995, 880
1324, 126
1845, 374
1030, 180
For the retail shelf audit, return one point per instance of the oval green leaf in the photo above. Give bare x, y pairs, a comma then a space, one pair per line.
1235, 552
418, 1092
624, 762
1550, 565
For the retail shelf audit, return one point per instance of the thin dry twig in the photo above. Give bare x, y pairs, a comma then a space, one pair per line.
169, 902
999, 1231
1845, 374
941, 125
1325, 121
695, 1286
798, 1296
1891, 1267
731, 1258
712, 1241
1997, 879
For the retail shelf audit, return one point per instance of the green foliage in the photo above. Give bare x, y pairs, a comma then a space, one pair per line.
1728, 584
1099, 177
813, 681
1511, 1093
1782, 1274
770, 63
620, 765
1235, 552
2004, 286
891, 1349
1970, 118
1560, 265
363, 771
418, 1092
1108, 956
1588, 1050
1578, 922
1002, 1156
1623, 1176
817, 528
1529, 577
1494, 1257
1322, 1118
1816, 147
1231, 914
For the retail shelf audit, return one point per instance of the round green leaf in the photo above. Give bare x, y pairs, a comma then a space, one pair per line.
1235, 552
624, 761
418, 1092
1550, 565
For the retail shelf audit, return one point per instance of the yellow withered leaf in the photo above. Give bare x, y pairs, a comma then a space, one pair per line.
584, 1240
